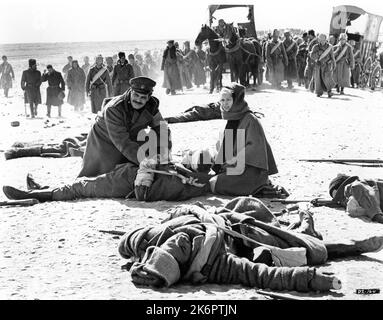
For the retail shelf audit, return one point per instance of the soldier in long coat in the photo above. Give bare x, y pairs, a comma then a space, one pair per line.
323, 57
98, 84
30, 84
122, 74
113, 137
291, 48
190, 60
67, 67
169, 66
184, 73
276, 60
199, 67
355, 73
344, 58
110, 67
309, 70
55, 90
136, 68
6, 76
76, 86
86, 65
301, 61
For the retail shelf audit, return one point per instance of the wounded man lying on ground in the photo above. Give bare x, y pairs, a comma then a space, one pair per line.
69, 147
239, 244
125, 181
154, 180
360, 197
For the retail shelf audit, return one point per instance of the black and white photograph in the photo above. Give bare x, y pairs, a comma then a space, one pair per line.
191, 151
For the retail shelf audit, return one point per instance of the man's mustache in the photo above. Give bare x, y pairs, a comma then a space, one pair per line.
140, 103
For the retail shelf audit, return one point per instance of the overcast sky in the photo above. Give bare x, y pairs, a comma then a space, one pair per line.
101, 20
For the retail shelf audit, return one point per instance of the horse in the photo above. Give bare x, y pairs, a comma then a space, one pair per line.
245, 58
216, 55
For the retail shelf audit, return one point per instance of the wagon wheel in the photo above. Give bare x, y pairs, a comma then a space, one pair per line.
363, 80
376, 77
367, 65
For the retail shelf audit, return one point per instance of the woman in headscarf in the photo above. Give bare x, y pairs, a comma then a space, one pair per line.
76, 85
244, 160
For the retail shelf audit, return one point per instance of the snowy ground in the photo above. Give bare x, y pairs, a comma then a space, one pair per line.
54, 250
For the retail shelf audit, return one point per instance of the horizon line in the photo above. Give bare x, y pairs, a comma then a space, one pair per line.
53, 42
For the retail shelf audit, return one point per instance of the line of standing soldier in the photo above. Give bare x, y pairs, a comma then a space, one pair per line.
113, 80
329, 65
182, 68
281, 59
98, 81
316, 62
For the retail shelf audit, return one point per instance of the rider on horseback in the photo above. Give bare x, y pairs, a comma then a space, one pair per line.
225, 30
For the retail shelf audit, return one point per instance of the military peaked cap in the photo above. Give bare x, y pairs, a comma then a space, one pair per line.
142, 85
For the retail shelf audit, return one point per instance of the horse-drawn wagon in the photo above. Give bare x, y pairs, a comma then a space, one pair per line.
366, 41
232, 47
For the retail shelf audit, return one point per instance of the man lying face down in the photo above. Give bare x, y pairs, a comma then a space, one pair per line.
241, 243
360, 197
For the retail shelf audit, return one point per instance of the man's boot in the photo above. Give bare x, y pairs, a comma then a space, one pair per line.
354, 248
16, 194
32, 110
378, 218
59, 111
22, 152
307, 224
49, 111
33, 185
35, 110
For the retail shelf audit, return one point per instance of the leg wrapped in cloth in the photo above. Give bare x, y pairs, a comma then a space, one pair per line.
185, 247
116, 184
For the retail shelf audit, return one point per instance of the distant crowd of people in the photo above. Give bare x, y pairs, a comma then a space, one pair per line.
98, 80
315, 61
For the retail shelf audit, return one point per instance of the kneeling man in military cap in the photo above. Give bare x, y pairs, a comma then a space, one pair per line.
113, 138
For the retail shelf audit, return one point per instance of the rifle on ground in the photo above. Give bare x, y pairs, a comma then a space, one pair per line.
316, 202
369, 162
24, 202
113, 232
278, 295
